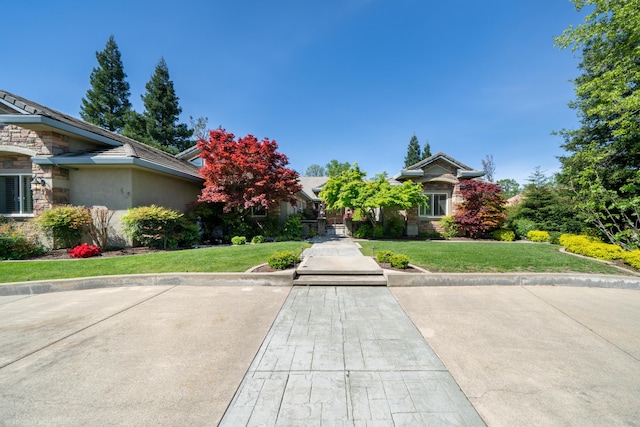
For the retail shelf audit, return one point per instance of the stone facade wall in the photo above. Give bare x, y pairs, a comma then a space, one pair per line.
43, 143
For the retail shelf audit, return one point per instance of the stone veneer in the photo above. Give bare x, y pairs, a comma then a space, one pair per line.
44, 143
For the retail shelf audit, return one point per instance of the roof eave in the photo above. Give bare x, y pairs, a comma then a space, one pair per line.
112, 161
409, 174
28, 121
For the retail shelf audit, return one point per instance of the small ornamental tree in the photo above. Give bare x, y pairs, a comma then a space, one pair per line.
244, 173
482, 209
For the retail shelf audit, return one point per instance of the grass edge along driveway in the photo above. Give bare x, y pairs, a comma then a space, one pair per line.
488, 257
205, 260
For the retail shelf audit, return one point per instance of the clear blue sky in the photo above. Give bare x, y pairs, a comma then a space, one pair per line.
350, 80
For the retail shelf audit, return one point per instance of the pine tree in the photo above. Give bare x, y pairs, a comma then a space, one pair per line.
158, 124
413, 152
427, 150
107, 102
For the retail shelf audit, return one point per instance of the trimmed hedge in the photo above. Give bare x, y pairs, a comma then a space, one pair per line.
399, 261
591, 247
283, 260
538, 236
238, 240
383, 256
504, 235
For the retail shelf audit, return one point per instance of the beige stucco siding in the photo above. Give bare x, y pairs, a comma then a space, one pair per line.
101, 186
163, 190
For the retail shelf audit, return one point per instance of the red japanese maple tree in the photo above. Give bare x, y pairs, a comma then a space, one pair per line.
244, 173
482, 209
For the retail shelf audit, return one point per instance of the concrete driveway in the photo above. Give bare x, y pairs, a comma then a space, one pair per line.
175, 355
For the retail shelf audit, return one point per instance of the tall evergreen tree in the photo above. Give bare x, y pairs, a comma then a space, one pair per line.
427, 150
158, 124
413, 152
107, 102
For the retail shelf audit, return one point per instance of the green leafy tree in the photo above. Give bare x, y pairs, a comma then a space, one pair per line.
315, 170
335, 168
510, 187
602, 166
158, 124
107, 104
413, 152
350, 190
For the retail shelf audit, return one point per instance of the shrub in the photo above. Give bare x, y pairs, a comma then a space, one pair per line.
65, 224
449, 226
283, 260
152, 226
383, 256
364, 231
632, 258
538, 236
504, 235
522, 226
238, 240
292, 228
395, 227
18, 242
99, 226
591, 247
257, 239
378, 231
555, 237
399, 261
84, 251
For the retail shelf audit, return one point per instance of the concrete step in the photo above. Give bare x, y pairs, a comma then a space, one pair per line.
338, 265
340, 280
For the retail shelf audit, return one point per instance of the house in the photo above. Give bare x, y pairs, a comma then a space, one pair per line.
441, 177
48, 158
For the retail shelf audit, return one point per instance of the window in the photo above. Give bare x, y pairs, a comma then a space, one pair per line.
258, 211
198, 161
436, 206
15, 195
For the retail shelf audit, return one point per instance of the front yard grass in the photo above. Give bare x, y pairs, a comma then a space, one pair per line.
206, 260
488, 257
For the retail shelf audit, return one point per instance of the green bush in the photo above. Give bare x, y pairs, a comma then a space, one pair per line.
238, 240
395, 227
283, 260
257, 239
18, 242
383, 256
555, 237
538, 236
378, 231
153, 226
364, 231
522, 226
504, 235
292, 228
399, 261
449, 226
65, 224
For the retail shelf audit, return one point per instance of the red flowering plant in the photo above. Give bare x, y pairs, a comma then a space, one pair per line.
84, 251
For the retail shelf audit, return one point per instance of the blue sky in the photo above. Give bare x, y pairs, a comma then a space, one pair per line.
350, 80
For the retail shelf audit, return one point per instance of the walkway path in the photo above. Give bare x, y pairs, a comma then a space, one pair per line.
346, 356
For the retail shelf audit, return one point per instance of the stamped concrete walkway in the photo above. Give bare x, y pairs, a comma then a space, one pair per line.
347, 356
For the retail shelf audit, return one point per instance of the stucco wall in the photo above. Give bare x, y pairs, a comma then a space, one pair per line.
163, 190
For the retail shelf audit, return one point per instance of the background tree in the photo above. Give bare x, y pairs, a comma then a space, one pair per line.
482, 209
335, 168
314, 170
107, 104
510, 187
158, 124
489, 167
245, 173
602, 166
350, 190
200, 127
427, 150
413, 152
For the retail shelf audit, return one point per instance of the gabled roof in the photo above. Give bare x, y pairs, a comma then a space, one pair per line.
116, 149
312, 185
417, 170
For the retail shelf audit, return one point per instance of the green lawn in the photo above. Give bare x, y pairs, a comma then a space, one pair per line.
488, 257
215, 259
